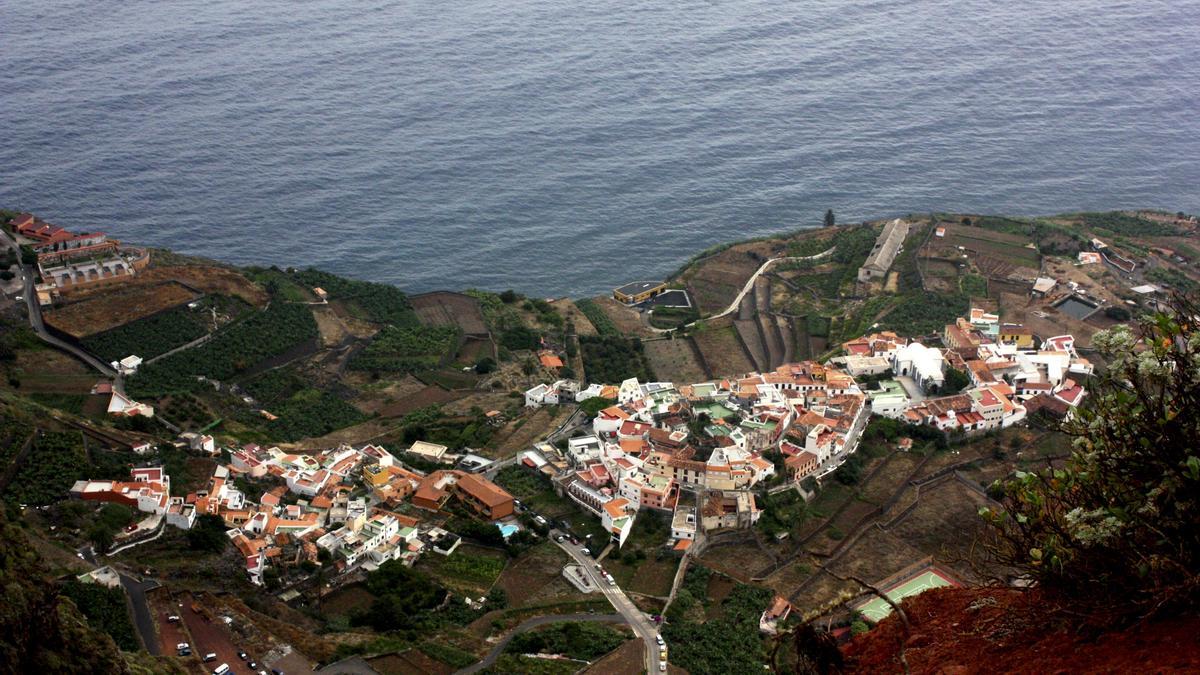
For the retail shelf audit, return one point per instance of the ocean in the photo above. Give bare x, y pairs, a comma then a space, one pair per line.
564, 148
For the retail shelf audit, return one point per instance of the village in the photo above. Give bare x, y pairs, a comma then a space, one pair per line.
596, 474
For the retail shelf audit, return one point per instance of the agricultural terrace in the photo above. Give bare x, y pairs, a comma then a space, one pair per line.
1005, 246
212, 279
602, 323
443, 308
234, 349
302, 410
408, 349
55, 462
115, 306
160, 333
614, 359
378, 303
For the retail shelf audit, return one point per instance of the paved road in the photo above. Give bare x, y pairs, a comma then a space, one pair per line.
636, 618
143, 618
529, 624
29, 275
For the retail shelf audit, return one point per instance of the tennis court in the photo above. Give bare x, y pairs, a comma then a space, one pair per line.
875, 609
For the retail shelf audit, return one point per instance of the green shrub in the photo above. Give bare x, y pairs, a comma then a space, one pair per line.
1122, 514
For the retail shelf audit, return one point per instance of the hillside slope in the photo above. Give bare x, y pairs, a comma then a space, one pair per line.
990, 630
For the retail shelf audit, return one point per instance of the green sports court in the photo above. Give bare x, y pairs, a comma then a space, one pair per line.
875, 609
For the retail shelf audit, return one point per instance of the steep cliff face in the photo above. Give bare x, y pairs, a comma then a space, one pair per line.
41, 632
990, 630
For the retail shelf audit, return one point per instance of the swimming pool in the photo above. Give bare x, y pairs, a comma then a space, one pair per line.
507, 529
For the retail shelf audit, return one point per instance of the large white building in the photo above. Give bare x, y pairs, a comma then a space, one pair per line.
925, 365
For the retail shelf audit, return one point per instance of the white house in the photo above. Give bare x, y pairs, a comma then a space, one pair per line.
543, 394
127, 365
592, 391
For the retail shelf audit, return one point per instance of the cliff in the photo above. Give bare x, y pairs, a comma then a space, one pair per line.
40, 631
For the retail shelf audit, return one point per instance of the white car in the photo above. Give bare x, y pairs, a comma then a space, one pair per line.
662, 666
660, 640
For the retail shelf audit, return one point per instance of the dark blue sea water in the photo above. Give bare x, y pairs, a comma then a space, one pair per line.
567, 146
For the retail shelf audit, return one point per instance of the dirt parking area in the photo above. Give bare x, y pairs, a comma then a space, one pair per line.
170, 634
209, 636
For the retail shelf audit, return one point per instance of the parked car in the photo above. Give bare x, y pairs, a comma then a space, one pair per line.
210, 657
661, 641
173, 618
221, 669
242, 655
585, 551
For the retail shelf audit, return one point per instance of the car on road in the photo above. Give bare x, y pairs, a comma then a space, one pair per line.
661, 641
559, 538
585, 552
662, 666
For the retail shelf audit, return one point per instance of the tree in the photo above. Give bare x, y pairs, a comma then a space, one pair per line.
208, 534
595, 404
101, 537
1123, 513
830, 220
956, 381
1117, 313
485, 365
509, 297
850, 472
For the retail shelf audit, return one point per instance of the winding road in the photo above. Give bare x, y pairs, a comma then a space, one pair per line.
29, 276
733, 306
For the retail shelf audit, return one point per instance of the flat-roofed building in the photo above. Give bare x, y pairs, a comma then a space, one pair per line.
638, 291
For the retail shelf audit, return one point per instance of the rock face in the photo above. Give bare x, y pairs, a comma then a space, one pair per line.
988, 630
40, 631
